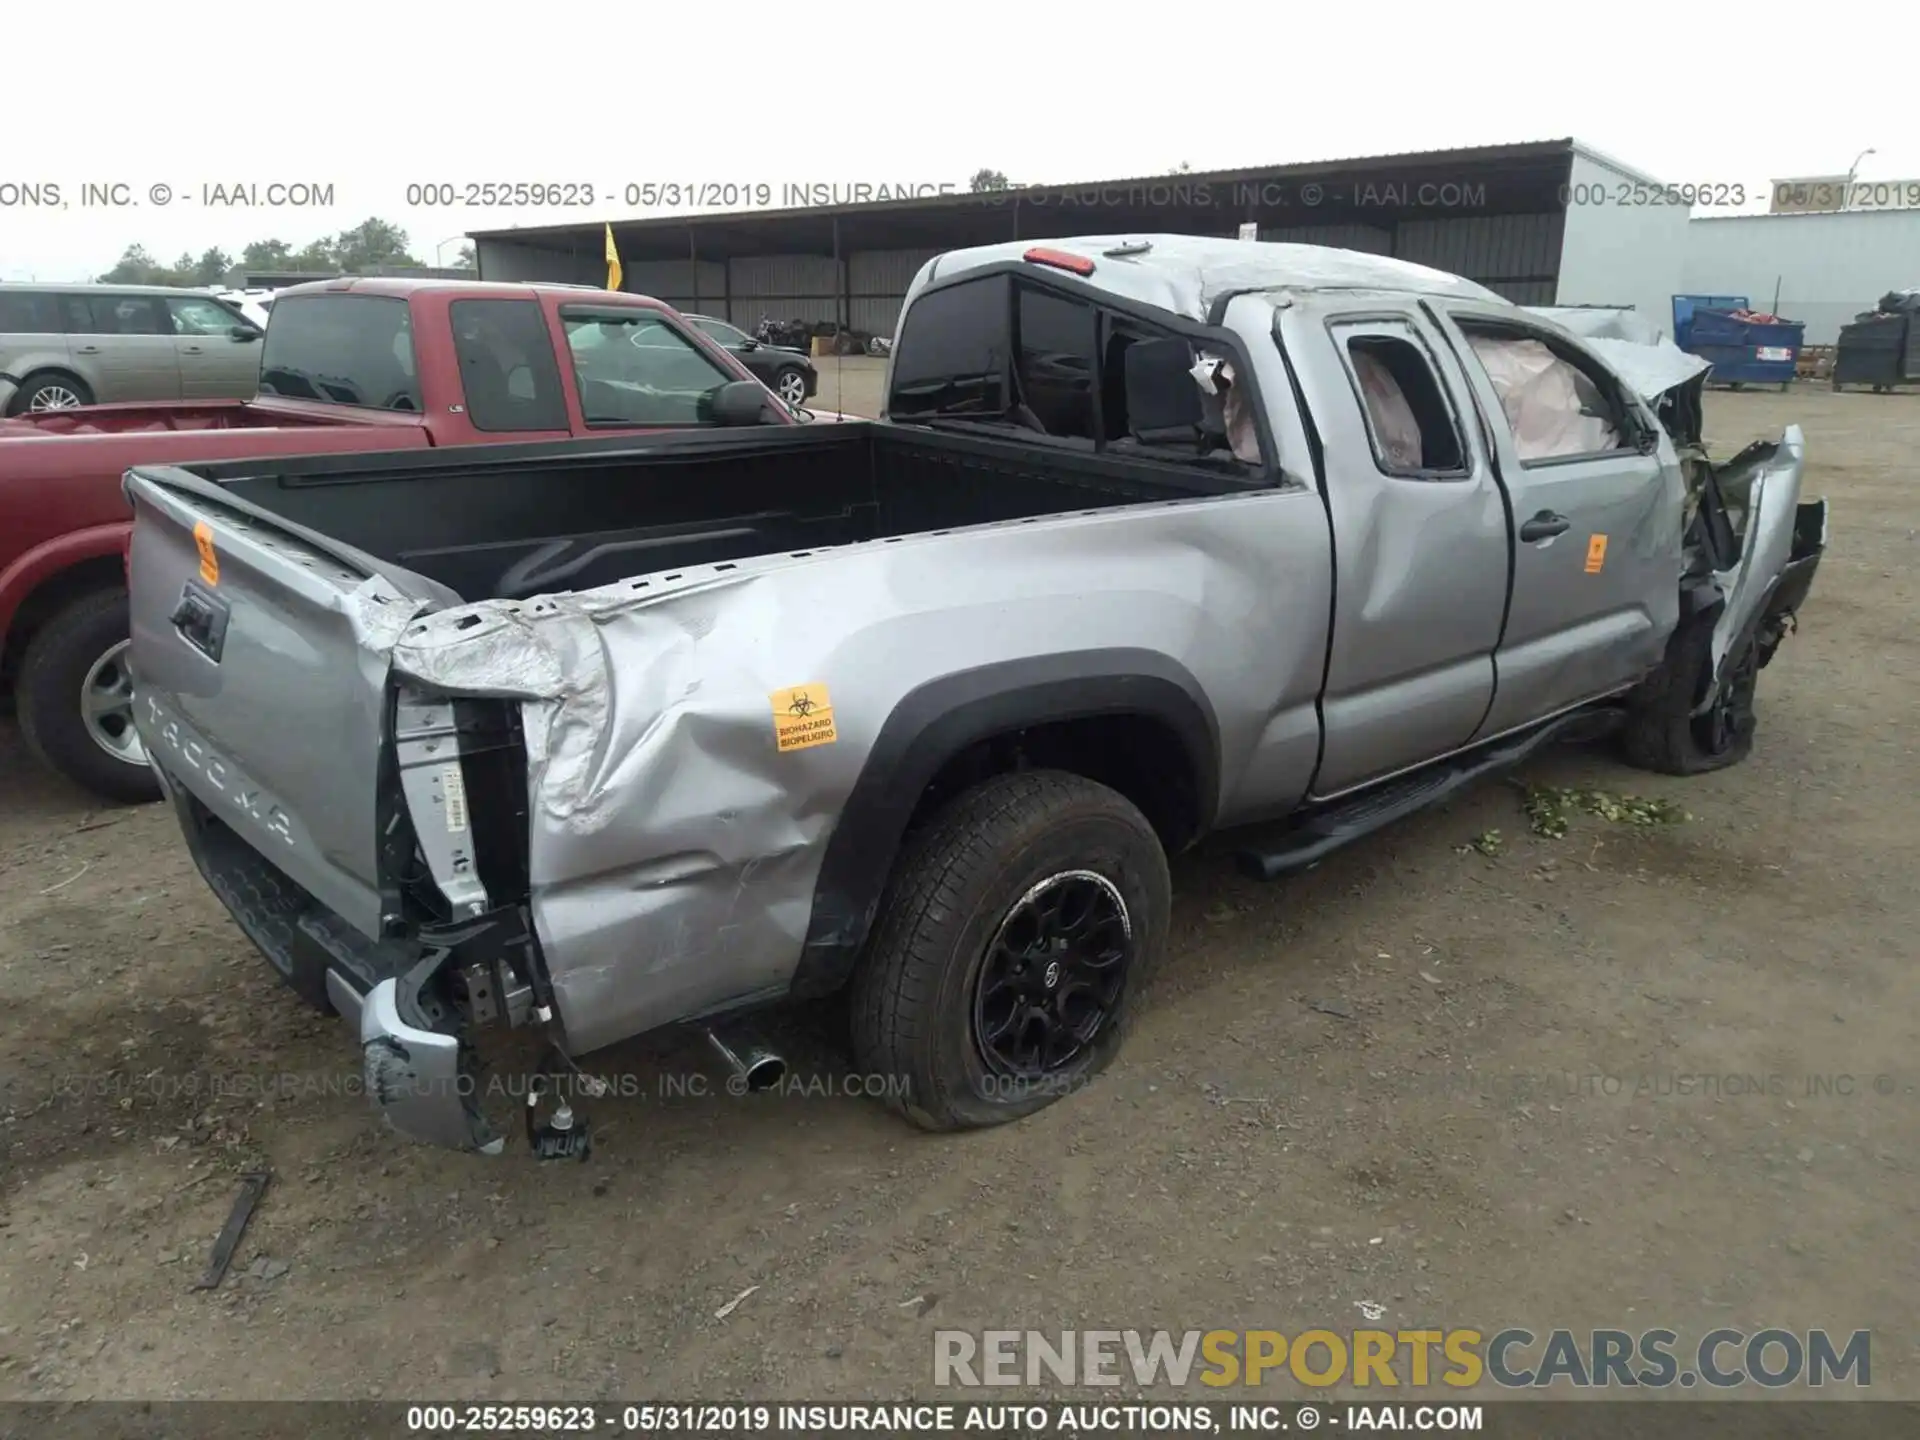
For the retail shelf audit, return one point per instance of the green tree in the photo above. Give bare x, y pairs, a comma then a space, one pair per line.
135, 267
463, 258
212, 267
266, 255
371, 245
987, 180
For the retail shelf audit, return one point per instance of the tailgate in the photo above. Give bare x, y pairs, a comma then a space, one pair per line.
260, 663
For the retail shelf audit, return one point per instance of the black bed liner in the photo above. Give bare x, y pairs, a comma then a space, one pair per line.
511, 521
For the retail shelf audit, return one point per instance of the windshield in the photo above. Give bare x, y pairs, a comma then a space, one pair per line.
638, 370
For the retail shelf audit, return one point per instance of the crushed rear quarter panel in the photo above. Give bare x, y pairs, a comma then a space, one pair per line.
675, 848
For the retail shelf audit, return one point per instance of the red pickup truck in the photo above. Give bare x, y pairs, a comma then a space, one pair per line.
347, 365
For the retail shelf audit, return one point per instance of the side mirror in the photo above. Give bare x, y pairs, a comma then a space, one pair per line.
739, 402
749, 344
244, 332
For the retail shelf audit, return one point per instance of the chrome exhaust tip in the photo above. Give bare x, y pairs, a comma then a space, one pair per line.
758, 1066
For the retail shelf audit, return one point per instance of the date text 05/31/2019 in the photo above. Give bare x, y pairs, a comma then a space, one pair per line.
662, 194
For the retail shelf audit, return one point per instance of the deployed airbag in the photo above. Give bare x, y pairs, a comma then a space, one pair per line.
1548, 402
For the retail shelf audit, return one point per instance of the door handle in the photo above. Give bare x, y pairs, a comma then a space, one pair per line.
201, 620
1545, 526
89, 350
190, 349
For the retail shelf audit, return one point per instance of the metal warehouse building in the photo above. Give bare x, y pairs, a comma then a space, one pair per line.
1824, 267
1541, 223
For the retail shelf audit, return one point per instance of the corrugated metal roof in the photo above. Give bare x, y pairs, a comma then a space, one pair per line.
1482, 154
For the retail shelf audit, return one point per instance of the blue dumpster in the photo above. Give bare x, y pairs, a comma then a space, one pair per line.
1741, 351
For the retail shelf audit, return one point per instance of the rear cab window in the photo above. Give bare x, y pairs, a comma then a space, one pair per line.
1011, 353
507, 370
634, 368
342, 350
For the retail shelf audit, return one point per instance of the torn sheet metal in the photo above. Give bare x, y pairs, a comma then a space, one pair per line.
1771, 476
1633, 347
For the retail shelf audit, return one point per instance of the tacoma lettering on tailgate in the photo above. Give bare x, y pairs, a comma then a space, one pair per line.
234, 787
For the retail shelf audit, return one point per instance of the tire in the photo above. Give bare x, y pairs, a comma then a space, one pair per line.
791, 378
48, 699
48, 384
988, 868
1662, 734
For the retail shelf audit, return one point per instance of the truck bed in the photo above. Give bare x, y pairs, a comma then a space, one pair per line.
509, 522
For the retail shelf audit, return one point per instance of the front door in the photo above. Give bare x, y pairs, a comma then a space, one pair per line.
1596, 497
1419, 537
215, 364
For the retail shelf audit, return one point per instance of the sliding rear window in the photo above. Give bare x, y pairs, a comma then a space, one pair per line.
343, 350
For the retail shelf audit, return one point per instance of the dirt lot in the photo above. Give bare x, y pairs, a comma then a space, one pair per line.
1323, 1105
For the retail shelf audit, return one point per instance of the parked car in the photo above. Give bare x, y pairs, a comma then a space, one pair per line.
254, 303
786, 372
63, 346
1159, 537
348, 365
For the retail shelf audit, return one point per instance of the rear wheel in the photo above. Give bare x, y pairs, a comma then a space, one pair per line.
1017, 933
74, 698
1662, 732
52, 391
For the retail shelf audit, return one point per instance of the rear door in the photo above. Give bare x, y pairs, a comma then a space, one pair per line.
1596, 495
260, 672
122, 346
216, 363
1419, 537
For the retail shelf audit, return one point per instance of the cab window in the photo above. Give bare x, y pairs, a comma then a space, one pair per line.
635, 369
1557, 407
507, 369
1410, 424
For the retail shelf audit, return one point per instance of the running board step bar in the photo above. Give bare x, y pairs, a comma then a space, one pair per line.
1306, 841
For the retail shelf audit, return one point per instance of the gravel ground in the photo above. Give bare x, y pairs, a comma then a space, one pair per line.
1321, 1106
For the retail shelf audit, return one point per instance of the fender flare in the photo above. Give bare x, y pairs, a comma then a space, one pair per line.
40, 564
941, 719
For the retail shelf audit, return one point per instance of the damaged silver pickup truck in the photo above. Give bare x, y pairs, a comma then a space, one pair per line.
1160, 536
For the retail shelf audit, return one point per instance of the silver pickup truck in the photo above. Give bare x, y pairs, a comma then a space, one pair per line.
1160, 536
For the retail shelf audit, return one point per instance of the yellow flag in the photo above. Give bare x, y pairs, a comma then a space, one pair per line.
613, 262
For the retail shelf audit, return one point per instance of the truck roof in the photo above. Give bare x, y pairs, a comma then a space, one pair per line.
403, 287
1184, 273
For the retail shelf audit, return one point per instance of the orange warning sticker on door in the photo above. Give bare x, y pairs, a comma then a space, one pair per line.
1596, 553
209, 562
802, 717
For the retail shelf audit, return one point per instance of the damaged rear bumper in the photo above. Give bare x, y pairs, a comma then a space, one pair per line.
417, 1067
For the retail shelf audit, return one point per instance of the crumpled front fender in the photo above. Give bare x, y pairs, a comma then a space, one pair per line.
1773, 534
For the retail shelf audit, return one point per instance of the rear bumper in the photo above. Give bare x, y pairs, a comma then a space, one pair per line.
414, 1063
9, 387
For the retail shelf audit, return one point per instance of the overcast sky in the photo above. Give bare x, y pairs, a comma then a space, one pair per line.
848, 91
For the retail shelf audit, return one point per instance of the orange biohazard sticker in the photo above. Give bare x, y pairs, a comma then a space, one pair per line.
1596, 553
802, 718
209, 561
